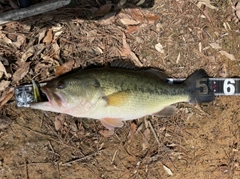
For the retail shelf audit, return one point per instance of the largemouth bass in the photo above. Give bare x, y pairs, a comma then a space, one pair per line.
113, 95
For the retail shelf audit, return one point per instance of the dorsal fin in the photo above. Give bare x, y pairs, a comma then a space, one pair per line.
157, 73
123, 64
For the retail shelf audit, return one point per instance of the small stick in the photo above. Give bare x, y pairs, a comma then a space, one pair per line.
35, 9
115, 153
154, 133
80, 159
52, 149
45, 135
26, 168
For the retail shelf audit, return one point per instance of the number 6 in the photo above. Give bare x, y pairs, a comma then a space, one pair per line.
228, 87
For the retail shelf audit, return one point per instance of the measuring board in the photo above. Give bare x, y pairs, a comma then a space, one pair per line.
219, 86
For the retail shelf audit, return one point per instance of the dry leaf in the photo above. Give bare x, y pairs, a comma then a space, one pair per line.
33, 50
5, 38
168, 170
126, 52
20, 40
56, 48
4, 84
27, 54
41, 34
159, 48
6, 96
206, 3
3, 71
103, 10
228, 55
238, 10
64, 68
48, 38
49, 60
21, 72
127, 22
126, 49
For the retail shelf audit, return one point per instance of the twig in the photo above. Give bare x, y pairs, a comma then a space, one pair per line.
80, 159
154, 133
52, 150
45, 135
26, 168
38, 8
115, 153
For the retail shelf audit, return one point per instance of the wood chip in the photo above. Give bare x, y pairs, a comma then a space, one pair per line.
152, 18
215, 45
128, 22
159, 47
168, 170
136, 14
57, 124
146, 138
228, 55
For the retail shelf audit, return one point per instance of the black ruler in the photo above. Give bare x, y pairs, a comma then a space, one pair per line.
220, 86
224, 86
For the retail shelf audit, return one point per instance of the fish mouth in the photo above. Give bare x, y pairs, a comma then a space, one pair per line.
53, 98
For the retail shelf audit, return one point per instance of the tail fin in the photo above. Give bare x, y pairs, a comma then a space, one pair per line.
198, 87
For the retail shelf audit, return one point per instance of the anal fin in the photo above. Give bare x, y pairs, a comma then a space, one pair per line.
111, 123
167, 111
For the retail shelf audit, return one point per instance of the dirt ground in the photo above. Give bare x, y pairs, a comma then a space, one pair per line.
178, 36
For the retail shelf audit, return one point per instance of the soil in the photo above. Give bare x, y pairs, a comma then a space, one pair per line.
199, 141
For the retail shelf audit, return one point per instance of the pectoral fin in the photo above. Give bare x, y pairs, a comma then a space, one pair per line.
167, 111
111, 123
117, 99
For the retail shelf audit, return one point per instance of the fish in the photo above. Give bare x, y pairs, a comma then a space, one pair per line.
114, 95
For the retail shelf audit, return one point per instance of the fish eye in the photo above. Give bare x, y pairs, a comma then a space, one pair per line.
61, 85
